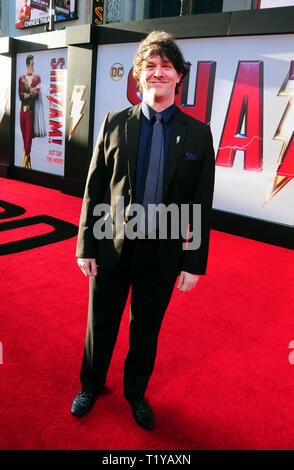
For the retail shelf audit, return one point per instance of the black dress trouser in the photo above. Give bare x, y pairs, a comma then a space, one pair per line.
150, 295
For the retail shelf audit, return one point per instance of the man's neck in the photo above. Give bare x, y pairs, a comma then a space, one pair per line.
158, 106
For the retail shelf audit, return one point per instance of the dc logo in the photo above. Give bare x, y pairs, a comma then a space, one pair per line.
116, 71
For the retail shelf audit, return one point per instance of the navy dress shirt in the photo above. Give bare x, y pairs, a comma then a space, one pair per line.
145, 144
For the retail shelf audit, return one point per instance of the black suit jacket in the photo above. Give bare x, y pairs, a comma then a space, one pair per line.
188, 179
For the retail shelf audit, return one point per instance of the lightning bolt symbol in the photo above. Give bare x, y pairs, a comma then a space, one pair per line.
77, 106
285, 133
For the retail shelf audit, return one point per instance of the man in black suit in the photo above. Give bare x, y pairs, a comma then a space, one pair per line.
146, 155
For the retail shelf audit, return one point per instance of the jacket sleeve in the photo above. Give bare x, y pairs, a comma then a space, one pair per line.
23, 95
195, 260
96, 185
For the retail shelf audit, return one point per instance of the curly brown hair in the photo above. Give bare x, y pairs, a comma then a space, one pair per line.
163, 44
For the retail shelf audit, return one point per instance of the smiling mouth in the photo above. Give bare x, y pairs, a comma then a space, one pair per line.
158, 83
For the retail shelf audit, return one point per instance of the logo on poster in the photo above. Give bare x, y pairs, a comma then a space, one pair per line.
116, 71
77, 106
56, 105
285, 134
243, 125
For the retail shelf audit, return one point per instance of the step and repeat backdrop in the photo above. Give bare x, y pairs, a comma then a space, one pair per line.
244, 88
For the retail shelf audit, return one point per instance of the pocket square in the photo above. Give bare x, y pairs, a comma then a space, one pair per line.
190, 156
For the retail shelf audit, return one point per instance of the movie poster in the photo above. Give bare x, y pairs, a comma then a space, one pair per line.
40, 110
247, 97
36, 12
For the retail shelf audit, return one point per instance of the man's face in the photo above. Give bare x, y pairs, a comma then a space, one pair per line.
159, 77
30, 66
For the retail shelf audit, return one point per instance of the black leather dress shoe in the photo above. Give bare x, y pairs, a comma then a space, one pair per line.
143, 413
82, 403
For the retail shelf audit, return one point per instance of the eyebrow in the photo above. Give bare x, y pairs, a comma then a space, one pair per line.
148, 61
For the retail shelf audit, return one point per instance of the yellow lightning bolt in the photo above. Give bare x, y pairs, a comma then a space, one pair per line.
77, 107
284, 130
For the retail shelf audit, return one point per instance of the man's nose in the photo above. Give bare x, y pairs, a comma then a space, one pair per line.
158, 71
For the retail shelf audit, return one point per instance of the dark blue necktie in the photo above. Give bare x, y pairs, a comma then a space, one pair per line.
154, 178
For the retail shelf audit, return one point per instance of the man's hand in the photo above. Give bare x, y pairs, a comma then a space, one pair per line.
187, 281
88, 266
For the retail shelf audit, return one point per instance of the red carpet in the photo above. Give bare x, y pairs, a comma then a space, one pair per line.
222, 380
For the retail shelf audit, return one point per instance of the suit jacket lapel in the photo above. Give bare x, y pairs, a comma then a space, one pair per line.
177, 139
132, 132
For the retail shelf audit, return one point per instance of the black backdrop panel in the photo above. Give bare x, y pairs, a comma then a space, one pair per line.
79, 123
5, 115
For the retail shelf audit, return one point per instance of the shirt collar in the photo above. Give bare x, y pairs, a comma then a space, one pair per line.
166, 114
